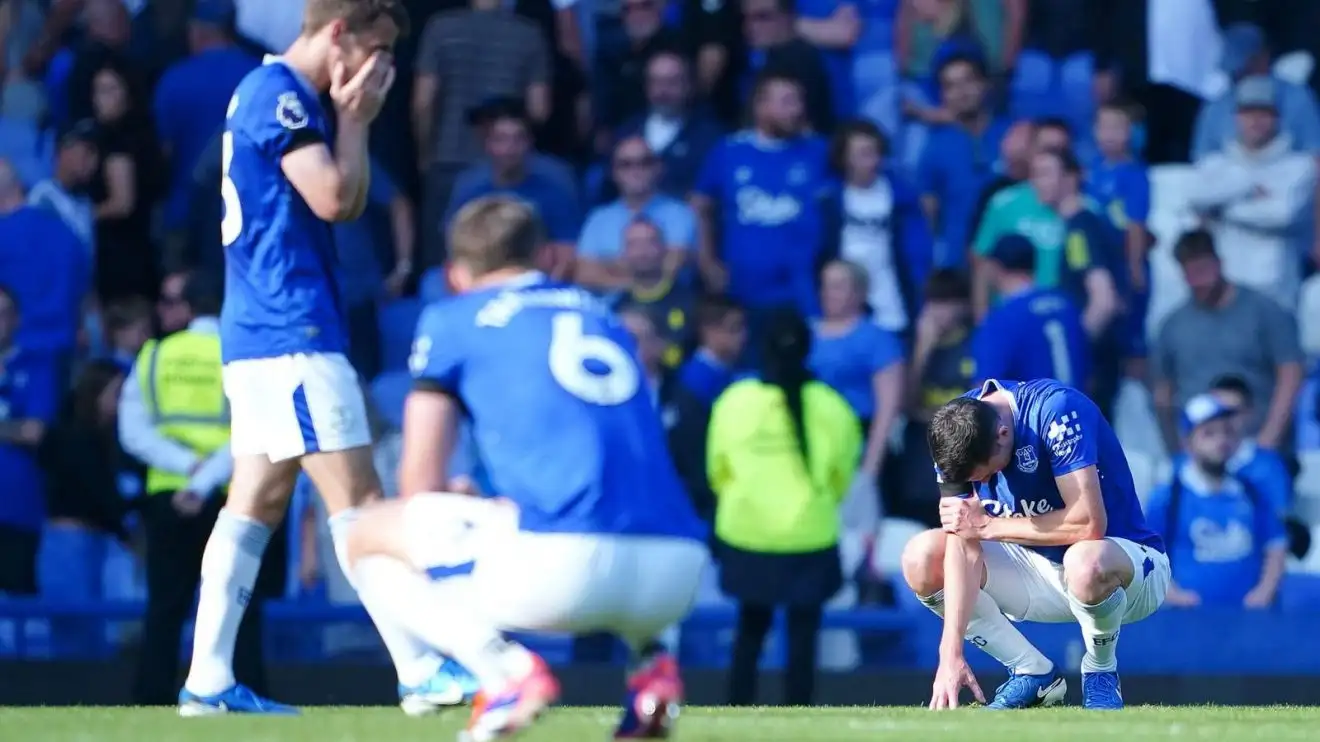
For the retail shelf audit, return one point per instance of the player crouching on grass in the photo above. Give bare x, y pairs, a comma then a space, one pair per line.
1041, 522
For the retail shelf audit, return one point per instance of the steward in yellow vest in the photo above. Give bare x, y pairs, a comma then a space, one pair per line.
185, 397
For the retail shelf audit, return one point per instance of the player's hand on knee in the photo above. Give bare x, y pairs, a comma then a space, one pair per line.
962, 516
952, 676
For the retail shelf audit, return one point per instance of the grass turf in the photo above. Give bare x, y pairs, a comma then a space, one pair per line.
1138, 724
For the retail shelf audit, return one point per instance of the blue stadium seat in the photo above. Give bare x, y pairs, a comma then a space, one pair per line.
398, 322
388, 392
432, 286
1300, 593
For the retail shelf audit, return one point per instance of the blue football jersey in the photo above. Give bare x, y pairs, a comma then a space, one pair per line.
1058, 430
1037, 334
281, 293
560, 408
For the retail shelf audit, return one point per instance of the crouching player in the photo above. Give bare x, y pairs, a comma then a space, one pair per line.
1040, 523
592, 532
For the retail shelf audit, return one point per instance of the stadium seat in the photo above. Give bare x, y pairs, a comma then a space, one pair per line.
891, 537
398, 322
388, 392
1145, 472
1170, 216
1308, 317
432, 285
1307, 487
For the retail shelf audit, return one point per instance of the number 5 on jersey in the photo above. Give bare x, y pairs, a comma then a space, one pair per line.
231, 224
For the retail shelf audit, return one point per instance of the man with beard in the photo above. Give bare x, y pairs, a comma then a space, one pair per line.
1221, 533
1225, 329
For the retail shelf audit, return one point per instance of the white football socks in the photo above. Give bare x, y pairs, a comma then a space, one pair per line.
441, 614
990, 630
414, 662
1100, 628
229, 570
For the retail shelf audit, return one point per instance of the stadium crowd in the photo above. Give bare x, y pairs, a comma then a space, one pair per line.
892, 168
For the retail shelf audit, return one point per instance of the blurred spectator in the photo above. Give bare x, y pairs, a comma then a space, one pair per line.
29, 398
860, 361
1227, 542
721, 337
783, 452
1226, 329
1257, 195
1015, 151
959, 157
653, 288
1053, 73
84, 512
1260, 467
50, 290
650, 354
874, 69
205, 211
192, 97
776, 50
1117, 180
21, 95
714, 30
466, 57
172, 313
942, 368
128, 327
600, 248
388, 219
77, 161
1094, 271
106, 26
1017, 209
1247, 55
673, 125
273, 25
618, 80
126, 261
769, 183
883, 228
1033, 332
509, 148
833, 26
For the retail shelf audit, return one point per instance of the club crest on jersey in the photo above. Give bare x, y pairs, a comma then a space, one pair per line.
289, 111
1026, 460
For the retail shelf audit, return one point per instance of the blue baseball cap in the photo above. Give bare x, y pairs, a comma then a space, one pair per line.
1242, 42
1202, 409
1015, 253
217, 12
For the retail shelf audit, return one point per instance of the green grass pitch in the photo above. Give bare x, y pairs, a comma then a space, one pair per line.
1138, 724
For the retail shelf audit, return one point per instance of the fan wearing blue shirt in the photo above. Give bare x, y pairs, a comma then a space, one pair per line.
191, 97
1224, 537
508, 144
1038, 507
1259, 467
960, 158
29, 398
762, 190
1033, 333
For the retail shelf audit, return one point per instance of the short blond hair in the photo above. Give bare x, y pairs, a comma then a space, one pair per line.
495, 232
859, 276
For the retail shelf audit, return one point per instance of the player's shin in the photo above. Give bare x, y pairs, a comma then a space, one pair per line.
229, 570
414, 661
991, 631
1100, 624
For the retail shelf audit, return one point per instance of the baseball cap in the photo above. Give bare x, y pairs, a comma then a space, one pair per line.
1015, 253
1203, 408
1258, 91
218, 12
82, 131
1242, 41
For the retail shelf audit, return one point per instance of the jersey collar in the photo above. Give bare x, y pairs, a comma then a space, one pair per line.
993, 385
306, 84
1199, 484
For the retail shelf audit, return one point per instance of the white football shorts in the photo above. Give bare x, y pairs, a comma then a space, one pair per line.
1029, 587
631, 586
293, 405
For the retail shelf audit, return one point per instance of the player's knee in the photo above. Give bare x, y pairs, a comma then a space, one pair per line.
923, 562
377, 532
1086, 572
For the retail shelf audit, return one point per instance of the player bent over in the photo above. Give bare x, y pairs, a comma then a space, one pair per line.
1041, 522
592, 532
294, 398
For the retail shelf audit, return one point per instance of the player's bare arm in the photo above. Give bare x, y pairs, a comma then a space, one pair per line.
430, 430
963, 566
1082, 517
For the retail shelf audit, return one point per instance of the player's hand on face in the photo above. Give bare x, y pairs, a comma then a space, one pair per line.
951, 677
962, 516
362, 95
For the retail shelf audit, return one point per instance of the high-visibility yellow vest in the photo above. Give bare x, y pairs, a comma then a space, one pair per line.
184, 394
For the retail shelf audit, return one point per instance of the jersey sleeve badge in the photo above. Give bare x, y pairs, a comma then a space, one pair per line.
290, 111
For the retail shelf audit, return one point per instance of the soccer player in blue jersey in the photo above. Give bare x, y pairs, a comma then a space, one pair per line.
1033, 333
294, 399
592, 530
1041, 522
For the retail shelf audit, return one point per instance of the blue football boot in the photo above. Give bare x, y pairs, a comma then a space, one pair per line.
239, 699
451, 685
1101, 691
1029, 691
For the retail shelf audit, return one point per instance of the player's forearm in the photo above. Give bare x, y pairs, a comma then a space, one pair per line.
1060, 528
353, 167
1271, 572
962, 578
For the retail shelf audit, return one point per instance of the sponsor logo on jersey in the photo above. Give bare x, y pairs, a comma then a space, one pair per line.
1064, 434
